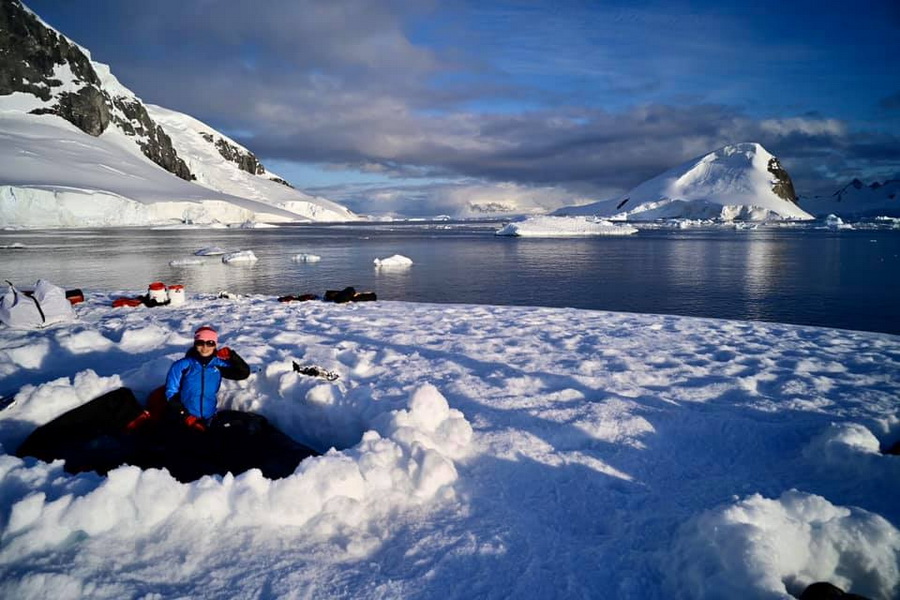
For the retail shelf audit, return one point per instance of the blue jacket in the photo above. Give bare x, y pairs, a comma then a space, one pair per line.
195, 384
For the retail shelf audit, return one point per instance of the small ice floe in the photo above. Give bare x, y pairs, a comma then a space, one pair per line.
545, 226
835, 222
252, 225
210, 251
306, 258
13, 246
186, 262
396, 261
241, 256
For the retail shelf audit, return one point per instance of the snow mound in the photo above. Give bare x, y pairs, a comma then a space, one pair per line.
397, 261
549, 226
409, 461
240, 256
764, 548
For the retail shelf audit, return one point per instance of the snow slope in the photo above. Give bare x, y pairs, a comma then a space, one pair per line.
858, 200
217, 173
734, 182
53, 174
487, 452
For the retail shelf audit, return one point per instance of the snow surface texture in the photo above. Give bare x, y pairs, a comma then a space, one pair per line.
563, 227
489, 452
731, 183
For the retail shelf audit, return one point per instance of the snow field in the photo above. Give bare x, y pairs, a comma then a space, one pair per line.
477, 450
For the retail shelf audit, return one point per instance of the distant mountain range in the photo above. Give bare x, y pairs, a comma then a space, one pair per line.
857, 199
77, 148
738, 182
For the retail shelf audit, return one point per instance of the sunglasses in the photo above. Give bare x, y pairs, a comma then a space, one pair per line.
207, 343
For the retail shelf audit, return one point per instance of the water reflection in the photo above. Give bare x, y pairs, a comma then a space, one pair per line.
841, 279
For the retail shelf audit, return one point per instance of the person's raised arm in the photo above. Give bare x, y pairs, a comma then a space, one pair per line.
236, 368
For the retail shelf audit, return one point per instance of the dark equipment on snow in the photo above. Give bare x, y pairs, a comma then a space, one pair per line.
822, 590
349, 294
114, 430
314, 371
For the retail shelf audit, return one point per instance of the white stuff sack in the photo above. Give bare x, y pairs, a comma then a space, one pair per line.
45, 306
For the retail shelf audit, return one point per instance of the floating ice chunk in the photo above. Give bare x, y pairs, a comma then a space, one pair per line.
396, 261
252, 225
210, 251
835, 222
241, 256
185, 262
544, 226
306, 258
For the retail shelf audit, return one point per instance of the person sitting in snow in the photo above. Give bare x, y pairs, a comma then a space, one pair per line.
193, 381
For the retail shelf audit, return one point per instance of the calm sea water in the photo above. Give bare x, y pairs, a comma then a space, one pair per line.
846, 279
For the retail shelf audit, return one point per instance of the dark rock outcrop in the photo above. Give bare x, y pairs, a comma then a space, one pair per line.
242, 158
783, 186
281, 181
30, 54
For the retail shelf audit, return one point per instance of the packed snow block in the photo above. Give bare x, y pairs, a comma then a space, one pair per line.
44, 306
86, 437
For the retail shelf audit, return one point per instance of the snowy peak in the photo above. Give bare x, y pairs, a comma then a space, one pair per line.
740, 181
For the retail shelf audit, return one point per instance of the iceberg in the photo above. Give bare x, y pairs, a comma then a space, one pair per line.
546, 226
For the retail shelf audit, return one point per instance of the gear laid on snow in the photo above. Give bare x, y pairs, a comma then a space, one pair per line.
44, 306
314, 371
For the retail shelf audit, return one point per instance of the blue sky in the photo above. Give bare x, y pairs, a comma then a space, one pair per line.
365, 100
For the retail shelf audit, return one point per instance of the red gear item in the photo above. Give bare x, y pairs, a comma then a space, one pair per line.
224, 353
194, 423
138, 421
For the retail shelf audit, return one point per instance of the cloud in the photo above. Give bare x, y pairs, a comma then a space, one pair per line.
532, 103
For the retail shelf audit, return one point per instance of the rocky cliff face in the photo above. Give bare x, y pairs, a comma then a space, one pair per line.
783, 187
36, 60
244, 159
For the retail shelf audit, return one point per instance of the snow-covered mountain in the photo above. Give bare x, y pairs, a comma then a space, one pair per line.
738, 182
857, 199
78, 148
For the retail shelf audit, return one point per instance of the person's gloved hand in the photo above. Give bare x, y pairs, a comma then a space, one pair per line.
194, 423
224, 353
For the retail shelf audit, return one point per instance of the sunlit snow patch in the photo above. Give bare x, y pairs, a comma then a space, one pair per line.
544, 226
